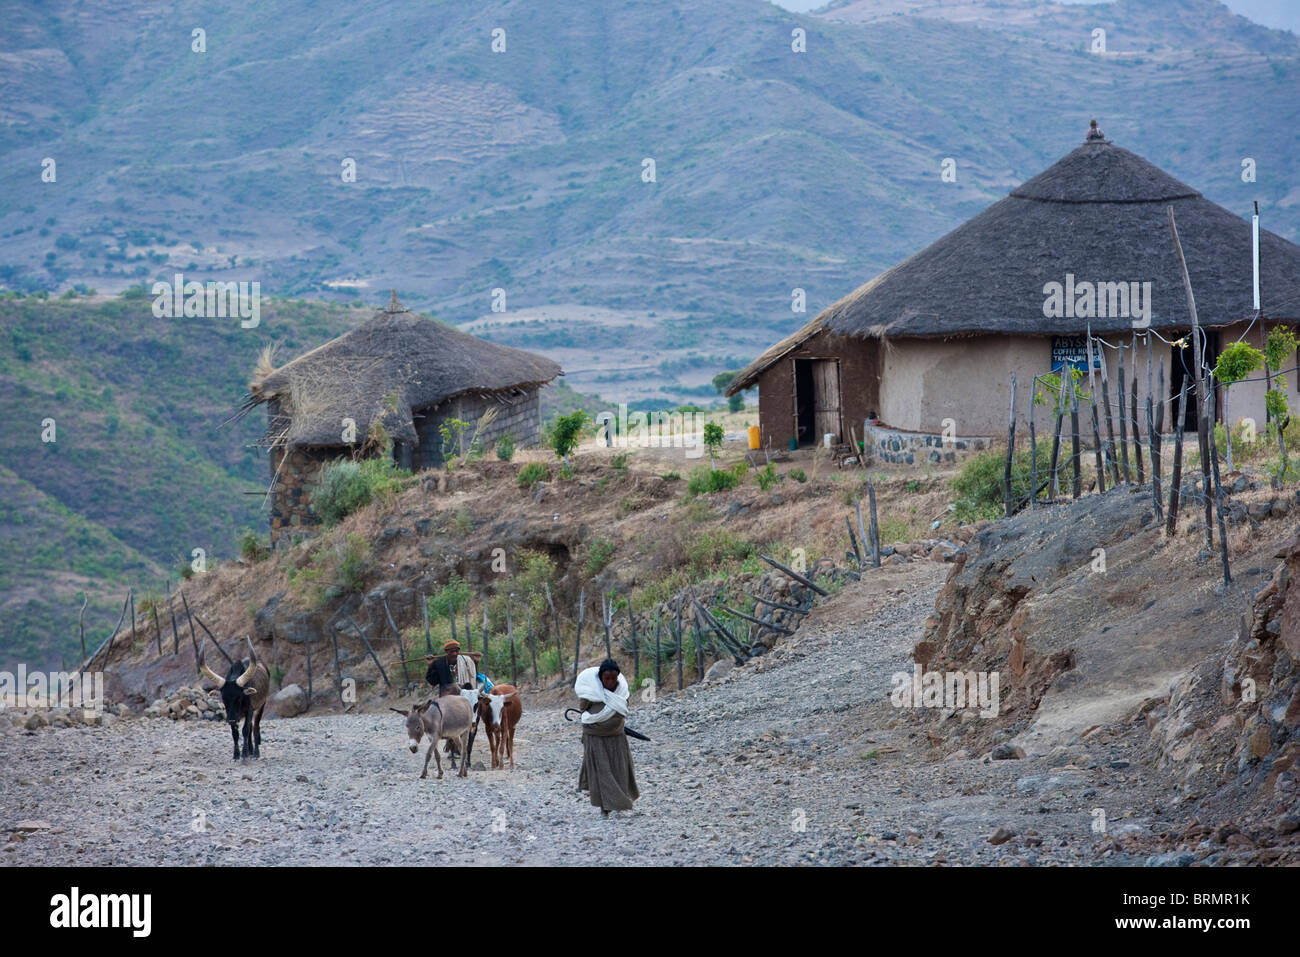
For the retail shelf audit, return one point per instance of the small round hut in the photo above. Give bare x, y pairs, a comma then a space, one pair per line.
390, 382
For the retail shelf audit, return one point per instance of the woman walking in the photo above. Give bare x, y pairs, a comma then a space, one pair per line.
606, 758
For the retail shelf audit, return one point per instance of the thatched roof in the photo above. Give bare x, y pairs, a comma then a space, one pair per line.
389, 367
1098, 214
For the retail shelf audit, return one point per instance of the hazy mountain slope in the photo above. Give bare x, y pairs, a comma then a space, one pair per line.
522, 170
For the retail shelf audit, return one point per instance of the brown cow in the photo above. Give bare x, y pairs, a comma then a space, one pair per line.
500, 712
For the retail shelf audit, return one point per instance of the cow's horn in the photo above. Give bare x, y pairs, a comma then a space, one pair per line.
252, 655
398, 711
213, 675
243, 679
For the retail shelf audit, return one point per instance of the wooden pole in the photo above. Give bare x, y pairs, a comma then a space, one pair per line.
607, 618
532, 643
658, 653
796, 576
1153, 445
853, 541
1033, 445
121, 618
424, 614
369, 648
699, 650
308, 645
510, 635
194, 641
396, 631
1074, 439
875, 525
1133, 415
1218, 500
555, 624
636, 648
1199, 379
677, 635
208, 632
1110, 422
451, 613
1176, 479
1098, 451
338, 668
157, 629
577, 641
81, 624
862, 531
485, 638
1011, 445
1123, 418
176, 642
132, 596
1054, 488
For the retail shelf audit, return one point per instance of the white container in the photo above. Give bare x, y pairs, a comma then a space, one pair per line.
828, 439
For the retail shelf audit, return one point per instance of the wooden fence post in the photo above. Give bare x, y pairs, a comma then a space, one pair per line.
1011, 444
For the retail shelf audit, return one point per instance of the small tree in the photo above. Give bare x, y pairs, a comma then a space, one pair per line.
1279, 346
713, 436
566, 430
1235, 363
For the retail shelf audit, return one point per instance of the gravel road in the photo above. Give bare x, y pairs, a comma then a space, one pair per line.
795, 758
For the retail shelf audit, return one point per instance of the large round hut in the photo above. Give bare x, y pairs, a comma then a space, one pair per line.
392, 382
929, 346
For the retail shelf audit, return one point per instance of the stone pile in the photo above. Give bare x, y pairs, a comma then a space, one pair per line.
188, 704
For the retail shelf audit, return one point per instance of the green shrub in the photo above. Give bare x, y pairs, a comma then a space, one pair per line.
565, 432
599, 555
670, 477
506, 447
619, 462
454, 594
798, 475
354, 559
767, 477
704, 480
532, 473
979, 484
344, 487
251, 548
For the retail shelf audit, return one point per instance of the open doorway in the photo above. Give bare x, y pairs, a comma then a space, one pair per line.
1181, 363
816, 400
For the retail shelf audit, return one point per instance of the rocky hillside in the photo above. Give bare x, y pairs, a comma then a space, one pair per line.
1110, 634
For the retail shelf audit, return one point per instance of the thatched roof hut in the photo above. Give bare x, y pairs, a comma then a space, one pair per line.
398, 376
383, 373
916, 342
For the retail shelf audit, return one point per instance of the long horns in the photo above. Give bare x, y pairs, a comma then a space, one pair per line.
204, 669
252, 663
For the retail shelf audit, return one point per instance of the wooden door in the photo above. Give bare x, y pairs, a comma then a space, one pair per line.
826, 398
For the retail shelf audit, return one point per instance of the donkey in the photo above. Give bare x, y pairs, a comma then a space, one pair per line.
446, 718
244, 691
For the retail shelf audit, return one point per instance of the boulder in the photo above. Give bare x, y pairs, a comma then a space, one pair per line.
719, 670
291, 700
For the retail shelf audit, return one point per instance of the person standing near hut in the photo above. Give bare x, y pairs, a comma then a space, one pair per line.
606, 758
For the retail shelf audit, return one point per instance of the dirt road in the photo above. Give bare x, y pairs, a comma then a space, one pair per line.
795, 758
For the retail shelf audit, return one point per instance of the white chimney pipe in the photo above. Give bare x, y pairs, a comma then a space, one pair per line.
1254, 255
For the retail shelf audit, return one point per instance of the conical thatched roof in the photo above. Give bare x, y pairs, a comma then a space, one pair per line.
1098, 214
383, 371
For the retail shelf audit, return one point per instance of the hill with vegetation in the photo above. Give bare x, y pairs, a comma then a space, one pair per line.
524, 170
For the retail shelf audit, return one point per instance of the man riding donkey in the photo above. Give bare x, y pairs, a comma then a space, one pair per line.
452, 671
